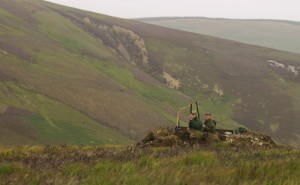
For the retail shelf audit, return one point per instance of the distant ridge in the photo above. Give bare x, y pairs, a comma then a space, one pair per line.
277, 34
210, 18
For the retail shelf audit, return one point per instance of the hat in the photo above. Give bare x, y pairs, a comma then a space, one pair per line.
207, 114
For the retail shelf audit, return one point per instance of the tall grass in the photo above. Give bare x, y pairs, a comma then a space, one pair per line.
121, 165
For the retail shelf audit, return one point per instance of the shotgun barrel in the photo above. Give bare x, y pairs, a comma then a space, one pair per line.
197, 109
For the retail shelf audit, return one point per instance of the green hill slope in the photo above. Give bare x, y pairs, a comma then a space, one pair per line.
70, 87
281, 35
74, 77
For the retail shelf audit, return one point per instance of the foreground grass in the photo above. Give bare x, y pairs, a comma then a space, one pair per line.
219, 164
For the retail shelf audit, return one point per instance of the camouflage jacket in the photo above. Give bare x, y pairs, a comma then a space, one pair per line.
196, 124
210, 125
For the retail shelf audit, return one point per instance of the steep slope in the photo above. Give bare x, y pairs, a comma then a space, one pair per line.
75, 77
281, 35
255, 86
68, 86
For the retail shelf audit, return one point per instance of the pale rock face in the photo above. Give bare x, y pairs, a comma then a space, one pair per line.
87, 20
103, 27
3, 52
292, 69
218, 90
289, 68
276, 64
204, 86
138, 41
173, 83
239, 101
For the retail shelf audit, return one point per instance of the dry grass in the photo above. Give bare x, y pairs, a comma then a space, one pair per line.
218, 164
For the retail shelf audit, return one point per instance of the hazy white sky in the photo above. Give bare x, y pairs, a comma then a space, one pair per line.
251, 9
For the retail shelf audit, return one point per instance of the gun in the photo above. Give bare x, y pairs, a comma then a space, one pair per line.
178, 115
198, 110
191, 108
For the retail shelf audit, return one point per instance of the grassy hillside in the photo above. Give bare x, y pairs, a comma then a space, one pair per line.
232, 80
68, 86
113, 165
74, 77
281, 35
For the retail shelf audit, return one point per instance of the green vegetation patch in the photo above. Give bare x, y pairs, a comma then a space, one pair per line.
71, 37
57, 123
157, 97
7, 31
7, 169
202, 158
5, 14
125, 77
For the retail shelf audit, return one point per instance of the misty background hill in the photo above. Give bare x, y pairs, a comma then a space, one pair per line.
74, 77
281, 35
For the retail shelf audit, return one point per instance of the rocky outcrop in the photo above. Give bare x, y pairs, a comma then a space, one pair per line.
250, 139
124, 41
185, 137
172, 82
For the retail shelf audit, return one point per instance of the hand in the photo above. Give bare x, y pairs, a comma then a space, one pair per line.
192, 117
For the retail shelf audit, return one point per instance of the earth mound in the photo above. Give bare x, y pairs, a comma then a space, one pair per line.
188, 137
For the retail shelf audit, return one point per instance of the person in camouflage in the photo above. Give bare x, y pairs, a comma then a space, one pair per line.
209, 123
195, 122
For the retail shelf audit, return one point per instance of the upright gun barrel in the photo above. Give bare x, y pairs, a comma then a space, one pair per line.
197, 110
